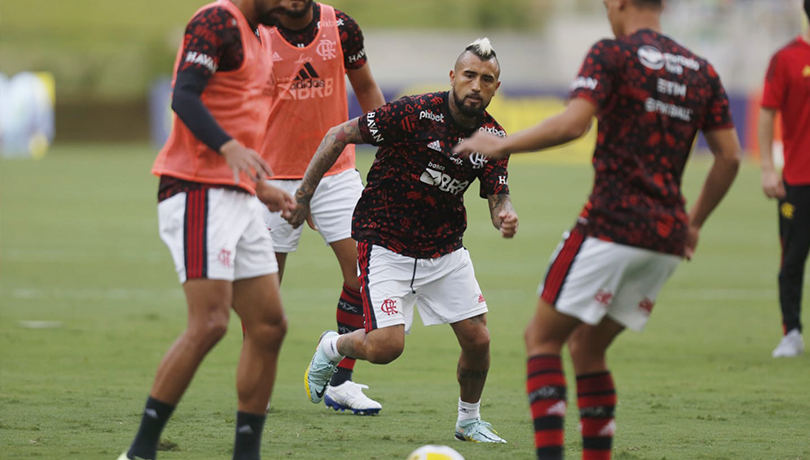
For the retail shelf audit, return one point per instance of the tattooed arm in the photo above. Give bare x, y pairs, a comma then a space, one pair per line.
336, 139
504, 217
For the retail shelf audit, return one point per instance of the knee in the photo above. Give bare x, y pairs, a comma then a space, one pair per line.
209, 331
384, 353
270, 332
478, 344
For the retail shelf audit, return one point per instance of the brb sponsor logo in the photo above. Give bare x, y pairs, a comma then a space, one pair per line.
444, 182
389, 307
307, 84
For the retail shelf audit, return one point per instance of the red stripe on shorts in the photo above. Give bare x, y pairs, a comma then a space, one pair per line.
195, 234
363, 259
560, 267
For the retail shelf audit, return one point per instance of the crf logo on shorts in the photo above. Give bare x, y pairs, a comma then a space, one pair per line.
225, 258
389, 307
603, 297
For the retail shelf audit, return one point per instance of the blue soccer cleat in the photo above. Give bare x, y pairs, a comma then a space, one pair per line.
477, 430
319, 371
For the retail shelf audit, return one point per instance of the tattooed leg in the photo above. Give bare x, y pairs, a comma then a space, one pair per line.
473, 364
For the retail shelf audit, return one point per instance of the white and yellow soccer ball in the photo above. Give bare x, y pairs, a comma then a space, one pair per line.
432, 452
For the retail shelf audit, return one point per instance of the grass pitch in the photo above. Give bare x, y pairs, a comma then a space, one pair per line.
89, 303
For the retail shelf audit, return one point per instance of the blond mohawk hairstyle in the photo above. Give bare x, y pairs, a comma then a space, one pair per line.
482, 48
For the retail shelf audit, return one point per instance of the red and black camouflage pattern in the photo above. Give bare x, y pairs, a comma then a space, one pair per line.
653, 96
414, 201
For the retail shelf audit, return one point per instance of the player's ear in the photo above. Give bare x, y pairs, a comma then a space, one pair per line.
452, 76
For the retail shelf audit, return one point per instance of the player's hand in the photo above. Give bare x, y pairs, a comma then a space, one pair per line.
509, 223
483, 143
275, 198
300, 214
691, 241
244, 160
772, 184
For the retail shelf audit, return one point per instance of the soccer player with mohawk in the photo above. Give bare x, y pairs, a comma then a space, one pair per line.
409, 225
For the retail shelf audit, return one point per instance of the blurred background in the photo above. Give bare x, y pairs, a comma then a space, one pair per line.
105, 65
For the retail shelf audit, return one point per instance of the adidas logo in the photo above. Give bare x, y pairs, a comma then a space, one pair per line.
151, 413
244, 429
435, 145
608, 430
307, 73
557, 409
277, 58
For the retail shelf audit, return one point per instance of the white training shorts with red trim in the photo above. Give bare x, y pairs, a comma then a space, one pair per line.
589, 278
216, 233
331, 208
444, 289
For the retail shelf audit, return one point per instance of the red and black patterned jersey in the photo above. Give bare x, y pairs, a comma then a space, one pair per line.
653, 95
413, 203
351, 37
212, 43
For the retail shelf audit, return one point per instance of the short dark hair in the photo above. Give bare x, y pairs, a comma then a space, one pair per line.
655, 4
807, 9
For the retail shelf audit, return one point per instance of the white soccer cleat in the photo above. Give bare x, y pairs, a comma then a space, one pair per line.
349, 395
792, 345
319, 371
477, 430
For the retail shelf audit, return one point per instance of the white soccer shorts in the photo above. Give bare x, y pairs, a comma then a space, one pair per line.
444, 289
331, 207
216, 234
589, 278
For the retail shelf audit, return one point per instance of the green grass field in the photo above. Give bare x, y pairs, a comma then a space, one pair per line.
80, 247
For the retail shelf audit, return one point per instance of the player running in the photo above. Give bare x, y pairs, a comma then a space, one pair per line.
310, 69
211, 220
650, 96
409, 225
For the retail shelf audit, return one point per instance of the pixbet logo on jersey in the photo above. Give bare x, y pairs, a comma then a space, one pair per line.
307, 84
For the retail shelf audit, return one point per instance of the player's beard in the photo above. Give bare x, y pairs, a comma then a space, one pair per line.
298, 14
270, 17
469, 111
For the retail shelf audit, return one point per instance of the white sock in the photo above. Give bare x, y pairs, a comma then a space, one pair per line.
467, 411
329, 346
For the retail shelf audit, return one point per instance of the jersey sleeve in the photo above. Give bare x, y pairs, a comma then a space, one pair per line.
212, 43
383, 126
494, 178
352, 41
773, 93
719, 112
595, 79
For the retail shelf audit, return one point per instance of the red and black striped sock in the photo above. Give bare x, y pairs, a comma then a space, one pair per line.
349, 318
596, 398
545, 385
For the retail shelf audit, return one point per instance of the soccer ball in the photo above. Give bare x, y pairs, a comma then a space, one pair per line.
432, 452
